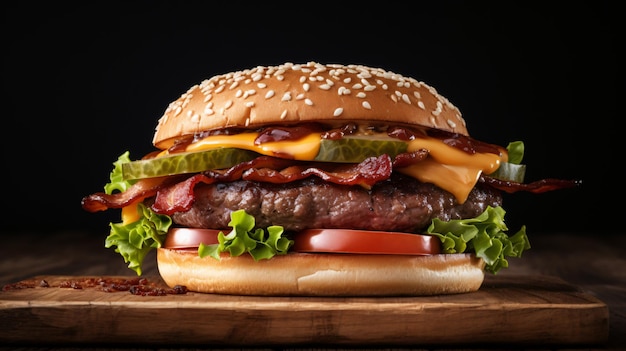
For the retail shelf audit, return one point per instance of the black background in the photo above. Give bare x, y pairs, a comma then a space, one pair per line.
83, 83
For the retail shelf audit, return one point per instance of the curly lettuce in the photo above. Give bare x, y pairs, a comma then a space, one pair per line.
133, 241
485, 235
117, 182
244, 238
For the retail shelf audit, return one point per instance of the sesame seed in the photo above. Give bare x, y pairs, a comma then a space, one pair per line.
234, 85
405, 98
366, 105
283, 114
357, 86
369, 87
269, 94
308, 102
229, 103
338, 111
324, 87
239, 93
250, 104
286, 97
300, 96
361, 95
421, 105
261, 85
451, 123
347, 80
220, 89
306, 86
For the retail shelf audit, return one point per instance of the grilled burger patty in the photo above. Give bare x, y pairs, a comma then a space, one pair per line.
398, 204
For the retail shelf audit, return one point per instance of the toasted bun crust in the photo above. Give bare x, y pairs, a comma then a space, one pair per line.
301, 274
292, 93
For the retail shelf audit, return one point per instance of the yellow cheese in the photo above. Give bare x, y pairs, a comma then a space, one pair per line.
304, 149
130, 213
442, 153
450, 168
458, 180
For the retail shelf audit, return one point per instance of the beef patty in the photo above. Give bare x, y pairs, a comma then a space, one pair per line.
398, 204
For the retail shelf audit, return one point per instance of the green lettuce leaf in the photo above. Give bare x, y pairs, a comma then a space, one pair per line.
117, 181
245, 239
516, 152
484, 235
133, 241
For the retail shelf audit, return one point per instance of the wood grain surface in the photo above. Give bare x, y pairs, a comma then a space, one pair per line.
513, 309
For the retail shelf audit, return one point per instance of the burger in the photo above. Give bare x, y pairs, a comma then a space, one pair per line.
317, 180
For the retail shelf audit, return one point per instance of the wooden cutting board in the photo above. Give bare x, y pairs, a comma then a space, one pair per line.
520, 310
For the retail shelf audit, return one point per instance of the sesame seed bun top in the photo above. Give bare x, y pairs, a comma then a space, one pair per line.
292, 93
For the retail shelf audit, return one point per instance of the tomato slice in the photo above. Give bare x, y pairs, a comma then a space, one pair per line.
190, 238
365, 242
324, 240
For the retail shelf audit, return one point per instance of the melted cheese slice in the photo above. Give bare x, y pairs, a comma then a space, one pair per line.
447, 167
304, 149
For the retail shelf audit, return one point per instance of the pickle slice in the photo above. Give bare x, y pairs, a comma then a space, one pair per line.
354, 150
510, 172
188, 162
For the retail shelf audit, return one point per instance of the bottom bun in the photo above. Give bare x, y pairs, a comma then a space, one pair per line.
304, 274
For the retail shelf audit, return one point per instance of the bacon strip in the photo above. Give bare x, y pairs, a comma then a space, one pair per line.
536, 187
365, 174
408, 158
178, 197
142, 189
